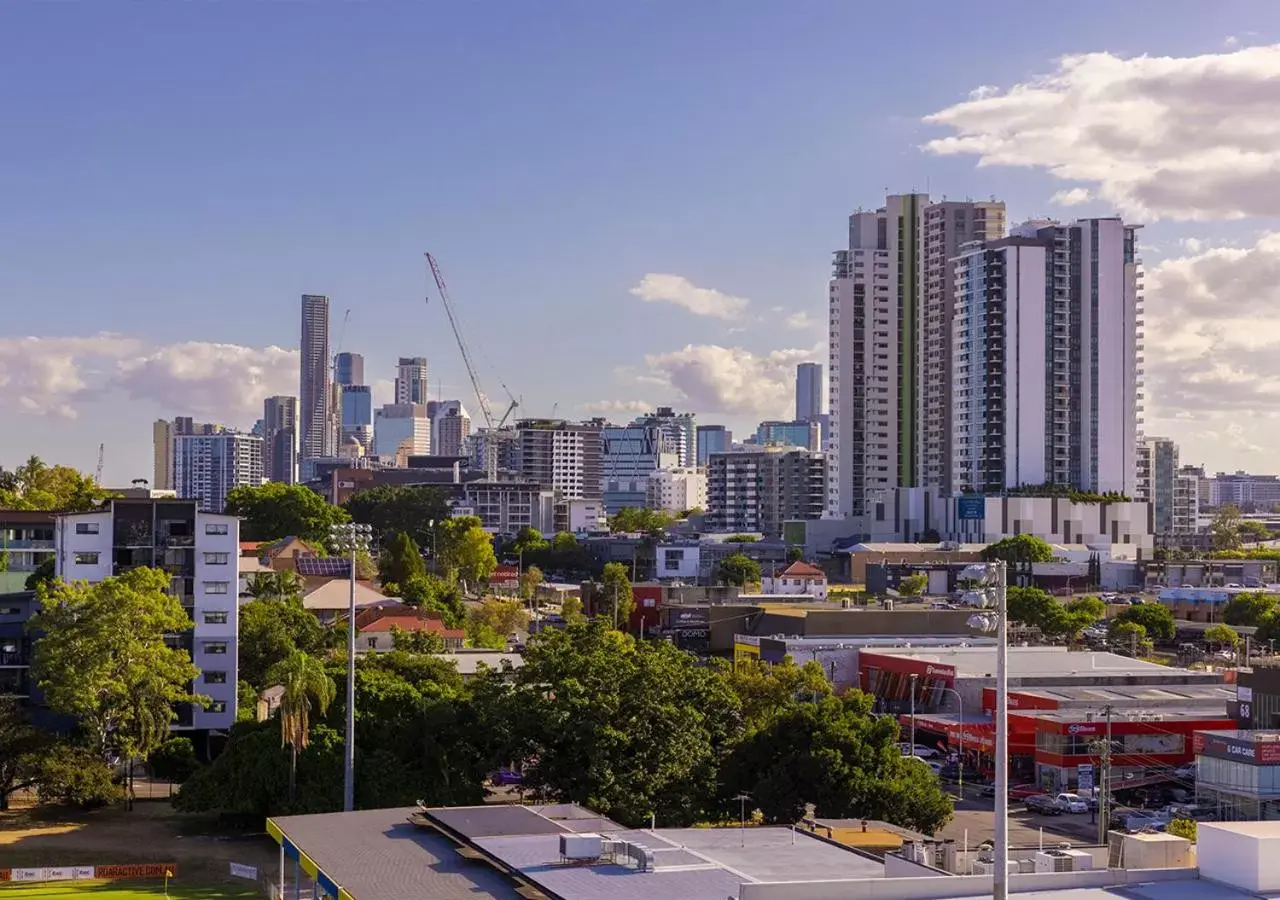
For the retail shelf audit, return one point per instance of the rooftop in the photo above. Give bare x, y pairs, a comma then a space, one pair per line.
687, 863
1036, 661
468, 662
801, 569
377, 854
1172, 694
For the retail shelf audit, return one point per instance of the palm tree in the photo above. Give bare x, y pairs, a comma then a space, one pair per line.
284, 585
304, 680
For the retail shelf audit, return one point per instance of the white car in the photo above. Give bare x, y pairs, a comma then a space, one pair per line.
1072, 803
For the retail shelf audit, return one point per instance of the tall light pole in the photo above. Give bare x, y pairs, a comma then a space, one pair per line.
993, 578
912, 751
355, 539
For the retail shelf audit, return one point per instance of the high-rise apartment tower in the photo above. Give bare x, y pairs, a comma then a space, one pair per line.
315, 388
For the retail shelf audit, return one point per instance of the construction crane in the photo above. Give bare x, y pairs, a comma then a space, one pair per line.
102, 452
490, 448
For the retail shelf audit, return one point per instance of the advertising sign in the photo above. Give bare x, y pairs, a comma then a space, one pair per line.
972, 507
58, 874
1084, 777
27, 874
242, 871
1223, 746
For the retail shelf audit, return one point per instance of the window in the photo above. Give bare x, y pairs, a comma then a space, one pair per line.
211, 528
215, 648
216, 559
217, 706
373, 643
9, 610
86, 559
216, 587
215, 617
215, 677
86, 528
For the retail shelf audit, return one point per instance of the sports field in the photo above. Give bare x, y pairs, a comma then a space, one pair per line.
123, 890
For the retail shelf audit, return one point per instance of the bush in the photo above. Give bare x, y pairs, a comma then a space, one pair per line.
174, 760
78, 777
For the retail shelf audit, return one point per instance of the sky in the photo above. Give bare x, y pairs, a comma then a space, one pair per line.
634, 203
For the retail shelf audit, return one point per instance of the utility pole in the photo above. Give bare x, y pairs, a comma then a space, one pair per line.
1104, 781
912, 751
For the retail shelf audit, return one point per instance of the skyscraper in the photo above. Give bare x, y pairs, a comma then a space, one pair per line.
681, 432
207, 466
450, 427
402, 430
315, 388
712, 439
1046, 360
411, 380
348, 368
280, 439
163, 433
890, 313
565, 457
357, 414
808, 392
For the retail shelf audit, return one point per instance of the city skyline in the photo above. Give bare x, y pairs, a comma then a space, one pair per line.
710, 295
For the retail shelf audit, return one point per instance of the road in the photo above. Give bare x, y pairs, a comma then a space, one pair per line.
975, 817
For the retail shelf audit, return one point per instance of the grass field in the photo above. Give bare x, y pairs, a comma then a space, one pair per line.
152, 889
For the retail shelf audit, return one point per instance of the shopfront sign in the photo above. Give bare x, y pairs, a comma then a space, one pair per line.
1082, 728
1221, 746
1084, 777
971, 508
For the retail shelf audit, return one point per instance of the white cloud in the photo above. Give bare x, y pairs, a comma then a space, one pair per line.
799, 321
1072, 197
1160, 137
618, 406
219, 382
676, 289
730, 380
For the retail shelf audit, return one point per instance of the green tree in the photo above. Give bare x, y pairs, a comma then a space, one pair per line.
503, 616
913, 585
305, 685
530, 580
571, 610
21, 749
1221, 636
392, 509
483, 636
834, 754
1021, 548
432, 594
76, 776
466, 550
1183, 828
271, 630
737, 569
174, 760
275, 510
102, 657
45, 573
639, 520
1090, 608
763, 689
629, 729
1252, 531
417, 641
617, 600
1128, 635
1031, 606
1249, 608
400, 560
529, 540
284, 585
37, 485
742, 539
795, 554
1225, 528
1154, 617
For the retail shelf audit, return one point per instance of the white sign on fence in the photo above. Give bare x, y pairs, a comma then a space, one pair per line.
59, 874
240, 871
82, 873
27, 874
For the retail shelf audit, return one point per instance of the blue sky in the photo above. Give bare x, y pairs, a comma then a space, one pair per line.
178, 173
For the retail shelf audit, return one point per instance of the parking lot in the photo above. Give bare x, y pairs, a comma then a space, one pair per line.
975, 818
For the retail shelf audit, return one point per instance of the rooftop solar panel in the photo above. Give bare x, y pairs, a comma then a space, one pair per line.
323, 567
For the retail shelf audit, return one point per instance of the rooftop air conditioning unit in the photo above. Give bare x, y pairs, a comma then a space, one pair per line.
581, 846
1054, 861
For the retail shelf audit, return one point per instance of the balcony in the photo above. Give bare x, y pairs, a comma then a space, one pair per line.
26, 545
14, 658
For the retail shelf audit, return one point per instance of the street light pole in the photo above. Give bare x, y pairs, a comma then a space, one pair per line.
912, 751
1000, 881
352, 537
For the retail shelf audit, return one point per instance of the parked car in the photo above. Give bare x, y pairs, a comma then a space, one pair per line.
504, 777
1043, 804
1023, 791
1072, 803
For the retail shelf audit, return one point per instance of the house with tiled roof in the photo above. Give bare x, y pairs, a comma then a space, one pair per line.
797, 578
378, 635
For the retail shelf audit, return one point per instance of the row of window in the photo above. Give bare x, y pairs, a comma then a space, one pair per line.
93, 528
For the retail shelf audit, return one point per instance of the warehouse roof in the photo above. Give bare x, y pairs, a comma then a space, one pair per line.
1027, 662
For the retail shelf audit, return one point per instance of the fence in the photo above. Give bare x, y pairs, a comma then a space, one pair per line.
89, 873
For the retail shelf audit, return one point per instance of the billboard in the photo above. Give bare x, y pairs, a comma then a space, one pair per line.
971, 507
1227, 746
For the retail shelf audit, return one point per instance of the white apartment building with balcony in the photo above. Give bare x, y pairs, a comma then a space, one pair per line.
675, 490
200, 551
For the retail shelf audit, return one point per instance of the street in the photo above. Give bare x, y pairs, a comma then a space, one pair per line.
975, 817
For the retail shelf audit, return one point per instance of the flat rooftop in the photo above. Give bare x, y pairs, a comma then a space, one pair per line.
1163, 714
1024, 662
377, 854
1181, 889
688, 863
1137, 694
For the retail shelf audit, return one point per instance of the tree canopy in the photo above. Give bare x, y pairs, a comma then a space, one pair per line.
738, 569
640, 520
102, 657
1225, 529
39, 486
1154, 617
1020, 548
1221, 636
400, 560
393, 509
274, 510
616, 599
272, 629
1250, 608
466, 550
913, 585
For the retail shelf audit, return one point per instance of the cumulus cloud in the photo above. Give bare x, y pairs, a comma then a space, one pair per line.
618, 406
680, 291
799, 321
219, 382
1072, 197
730, 380
1161, 137
1213, 339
